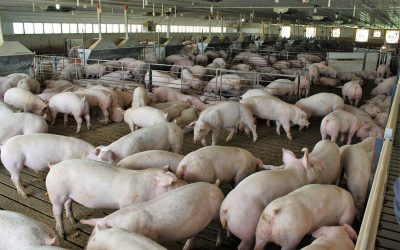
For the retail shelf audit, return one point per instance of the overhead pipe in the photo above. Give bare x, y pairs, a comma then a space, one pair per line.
209, 25
1, 34
222, 25
98, 9
126, 21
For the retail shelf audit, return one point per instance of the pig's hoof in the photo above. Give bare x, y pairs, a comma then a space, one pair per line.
46, 194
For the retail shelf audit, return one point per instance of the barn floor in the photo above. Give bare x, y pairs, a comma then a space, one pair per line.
268, 148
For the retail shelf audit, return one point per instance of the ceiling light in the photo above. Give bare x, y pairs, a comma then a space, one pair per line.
57, 6
77, 2
276, 1
243, 20
315, 9
329, 3
336, 15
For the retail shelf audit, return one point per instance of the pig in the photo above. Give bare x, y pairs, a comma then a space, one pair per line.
281, 87
370, 130
343, 122
327, 154
304, 86
281, 65
255, 192
326, 81
275, 109
5, 109
140, 98
357, 166
242, 67
35, 151
355, 111
24, 100
16, 77
174, 58
185, 212
218, 63
309, 57
71, 72
126, 97
296, 63
175, 104
226, 115
320, 104
371, 109
385, 87
381, 119
112, 65
70, 103
163, 136
201, 59
46, 96
186, 62
144, 117
19, 231
307, 209
116, 238
21, 124
5, 85
117, 114
189, 79
29, 84
383, 70
346, 76
96, 187
336, 237
172, 113
353, 92
313, 74
256, 92
97, 98
229, 82
151, 159
212, 163
198, 71
95, 70
162, 79
164, 94
186, 117
325, 70
116, 76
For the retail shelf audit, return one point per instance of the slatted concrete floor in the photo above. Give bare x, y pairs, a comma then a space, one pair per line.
389, 231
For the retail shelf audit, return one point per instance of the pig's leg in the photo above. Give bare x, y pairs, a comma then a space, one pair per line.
53, 115
15, 178
78, 120
106, 115
351, 101
87, 119
65, 119
58, 215
246, 245
204, 142
231, 133
215, 134
269, 123
68, 210
131, 126
350, 136
334, 136
278, 127
221, 234
356, 103
323, 136
342, 138
307, 91
286, 127
189, 243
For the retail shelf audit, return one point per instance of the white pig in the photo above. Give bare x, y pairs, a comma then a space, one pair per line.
256, 92
259, 189
372, 109
282, 87
70, 103
275, 109
224, 115
24, 100
353, 92
385, 87
18, 231
140, 98
96, 187
95, 70
212, 163
163, 136
381, 119
336, 237
286, 220
151, 159
176, 215
320, 104
21, 124
116, 238
97, 98
35, 151
29, 84
5, 109
144, 117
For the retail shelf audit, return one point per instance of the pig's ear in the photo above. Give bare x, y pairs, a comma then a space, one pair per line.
288, 156
320, 232
191, 125
350, 231
165, 179
306, 158
91, 222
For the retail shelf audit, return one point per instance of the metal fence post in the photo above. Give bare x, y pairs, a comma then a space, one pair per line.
150, 79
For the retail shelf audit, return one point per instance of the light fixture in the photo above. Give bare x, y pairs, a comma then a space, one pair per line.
276, 1
336, 15
315, 9
243, 20
212, 10
329, 3
33, 6
354, 11
77, 2
57, 6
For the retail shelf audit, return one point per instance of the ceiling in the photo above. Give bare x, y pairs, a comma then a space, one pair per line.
379, 13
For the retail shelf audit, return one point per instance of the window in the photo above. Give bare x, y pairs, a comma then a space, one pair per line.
38, 28
285, 32
109, 28
65, 28
392, 36
115, 28
311, 32
122, 28
163, 28
18, 28
377, 33
95, 28
48, 28
28, 28
73, 28
88, 28
362, 35
81, 28
57, 28
103, 28
336, 32
137, 28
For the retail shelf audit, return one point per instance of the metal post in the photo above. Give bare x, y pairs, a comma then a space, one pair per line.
222, 25
298, 88
168, 27
1, 34
150, 79
209, 25
365, 59
98, 7
126, 21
